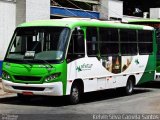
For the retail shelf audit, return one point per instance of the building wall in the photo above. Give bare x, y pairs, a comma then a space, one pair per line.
29, 10
37, 10
155, 13
115, 9
111, 9
103, 9
7, 25
20, 11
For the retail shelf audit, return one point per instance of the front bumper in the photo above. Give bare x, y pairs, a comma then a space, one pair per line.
47, 89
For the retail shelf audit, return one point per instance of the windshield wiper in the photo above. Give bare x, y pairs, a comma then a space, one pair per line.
27, 62
45, 62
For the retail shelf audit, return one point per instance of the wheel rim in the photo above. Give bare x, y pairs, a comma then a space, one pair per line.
75, 94
129, 86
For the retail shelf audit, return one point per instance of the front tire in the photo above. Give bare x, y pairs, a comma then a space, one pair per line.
75, 94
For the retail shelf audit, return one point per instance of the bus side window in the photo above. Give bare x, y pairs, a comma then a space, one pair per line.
108, 41
76, 46
128, 42
92, 41
145, 43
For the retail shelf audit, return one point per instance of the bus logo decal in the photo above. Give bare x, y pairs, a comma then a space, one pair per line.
136, 61
84, 67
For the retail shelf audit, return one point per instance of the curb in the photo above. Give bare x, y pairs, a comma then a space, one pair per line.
7, 96
4, 94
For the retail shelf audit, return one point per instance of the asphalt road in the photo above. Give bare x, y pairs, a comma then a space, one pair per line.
145, 100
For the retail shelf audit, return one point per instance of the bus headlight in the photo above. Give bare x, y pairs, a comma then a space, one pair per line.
52, 77
5, 75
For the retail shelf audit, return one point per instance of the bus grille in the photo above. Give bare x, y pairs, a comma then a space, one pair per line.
27, 78
29, 88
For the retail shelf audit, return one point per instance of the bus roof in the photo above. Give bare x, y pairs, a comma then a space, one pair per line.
74, 22
144, 21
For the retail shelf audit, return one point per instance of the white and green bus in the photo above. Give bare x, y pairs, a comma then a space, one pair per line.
74, 56
156, 24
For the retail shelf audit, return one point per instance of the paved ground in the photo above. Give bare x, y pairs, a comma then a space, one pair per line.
145, 100
2, 93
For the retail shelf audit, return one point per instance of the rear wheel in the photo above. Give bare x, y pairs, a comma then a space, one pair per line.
75, 94
129, 87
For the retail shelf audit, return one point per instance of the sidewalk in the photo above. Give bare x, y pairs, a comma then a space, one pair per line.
2, 93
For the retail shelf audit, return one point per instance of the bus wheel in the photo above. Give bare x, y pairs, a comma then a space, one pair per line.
129, 87
75, 94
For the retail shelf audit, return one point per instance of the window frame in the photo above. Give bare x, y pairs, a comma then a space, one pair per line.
75, 55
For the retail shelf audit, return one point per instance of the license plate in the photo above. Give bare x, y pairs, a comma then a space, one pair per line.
27, 93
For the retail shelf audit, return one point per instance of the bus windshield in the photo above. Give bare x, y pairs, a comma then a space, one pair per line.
38, 43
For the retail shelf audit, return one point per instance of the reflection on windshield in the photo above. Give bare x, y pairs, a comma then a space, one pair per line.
43, 43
